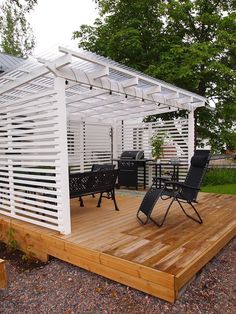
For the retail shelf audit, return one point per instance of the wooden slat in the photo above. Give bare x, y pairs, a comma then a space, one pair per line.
192, 268
3, 274
158, 261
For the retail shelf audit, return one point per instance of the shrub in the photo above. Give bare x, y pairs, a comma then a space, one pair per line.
219, 176
157, 142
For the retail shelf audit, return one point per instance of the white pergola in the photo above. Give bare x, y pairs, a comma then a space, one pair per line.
39, 98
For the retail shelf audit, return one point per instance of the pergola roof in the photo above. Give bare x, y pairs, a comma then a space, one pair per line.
96, 87
8, 62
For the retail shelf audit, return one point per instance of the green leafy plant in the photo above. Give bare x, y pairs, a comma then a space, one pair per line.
25, 258
157, 142
12, 243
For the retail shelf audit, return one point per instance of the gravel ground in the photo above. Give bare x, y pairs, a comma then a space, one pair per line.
58, 287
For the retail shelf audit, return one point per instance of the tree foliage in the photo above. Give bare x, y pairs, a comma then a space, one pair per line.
16, 37
190, 43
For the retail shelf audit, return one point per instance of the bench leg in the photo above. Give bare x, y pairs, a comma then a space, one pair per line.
81, 202
114, 199
100, 200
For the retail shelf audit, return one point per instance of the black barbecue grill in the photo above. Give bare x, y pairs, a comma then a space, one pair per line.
132, 169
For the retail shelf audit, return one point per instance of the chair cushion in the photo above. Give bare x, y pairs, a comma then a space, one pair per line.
198, 161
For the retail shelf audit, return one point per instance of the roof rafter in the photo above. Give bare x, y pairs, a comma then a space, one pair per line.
60, 62
99, 104
99, 60
84, 96
96, 87
147, 113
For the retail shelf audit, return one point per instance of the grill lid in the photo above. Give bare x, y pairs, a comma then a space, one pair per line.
132, 154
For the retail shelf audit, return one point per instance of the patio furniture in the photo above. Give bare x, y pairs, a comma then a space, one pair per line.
165, 170
99, 167
182, 192
89, 183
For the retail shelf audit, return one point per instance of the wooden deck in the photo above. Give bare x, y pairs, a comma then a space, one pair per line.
158, 261
3, 274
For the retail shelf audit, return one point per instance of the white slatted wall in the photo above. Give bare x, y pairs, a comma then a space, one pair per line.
88, 144
137, 136
75, 146
30, 161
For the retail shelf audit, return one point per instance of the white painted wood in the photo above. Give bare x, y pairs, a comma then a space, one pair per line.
137, 136
88, 144
92, 58
62, 61
115, 131
46, 126
28, 190
191, 133
64, 217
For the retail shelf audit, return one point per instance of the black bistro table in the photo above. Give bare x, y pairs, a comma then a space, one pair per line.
168, 170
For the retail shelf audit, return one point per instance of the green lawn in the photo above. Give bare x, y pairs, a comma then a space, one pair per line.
220, 189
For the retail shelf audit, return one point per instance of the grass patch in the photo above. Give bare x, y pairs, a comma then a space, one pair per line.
219, 176
220, 189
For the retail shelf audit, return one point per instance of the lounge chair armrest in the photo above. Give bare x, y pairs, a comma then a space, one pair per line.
182, 185
155, 179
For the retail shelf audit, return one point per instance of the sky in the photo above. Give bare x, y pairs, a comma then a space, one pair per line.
53, 21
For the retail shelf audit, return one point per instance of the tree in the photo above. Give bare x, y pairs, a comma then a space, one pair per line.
16, 37
190, 43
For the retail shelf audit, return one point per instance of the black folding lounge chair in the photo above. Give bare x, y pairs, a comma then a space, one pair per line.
182, 192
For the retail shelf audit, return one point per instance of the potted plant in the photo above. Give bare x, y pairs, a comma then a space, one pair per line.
157, 142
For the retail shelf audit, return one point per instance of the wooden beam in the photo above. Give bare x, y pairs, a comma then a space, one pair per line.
100, 73
3, 274
84, 96
129, 82
153, 90
140, 114
43, 70
92, 58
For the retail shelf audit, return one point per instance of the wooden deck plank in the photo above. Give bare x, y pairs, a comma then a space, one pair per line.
114, 244
3, 274
196, 264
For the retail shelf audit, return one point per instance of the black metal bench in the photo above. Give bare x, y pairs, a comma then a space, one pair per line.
89, 183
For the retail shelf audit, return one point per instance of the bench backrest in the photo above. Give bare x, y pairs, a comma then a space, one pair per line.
92, 182
100, 167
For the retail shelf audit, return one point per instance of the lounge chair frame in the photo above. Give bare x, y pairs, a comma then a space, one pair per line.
182, 192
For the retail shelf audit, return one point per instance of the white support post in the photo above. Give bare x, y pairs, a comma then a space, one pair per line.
150, 156
82, 142
10, 168
115, 140
191, 135
64, 215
